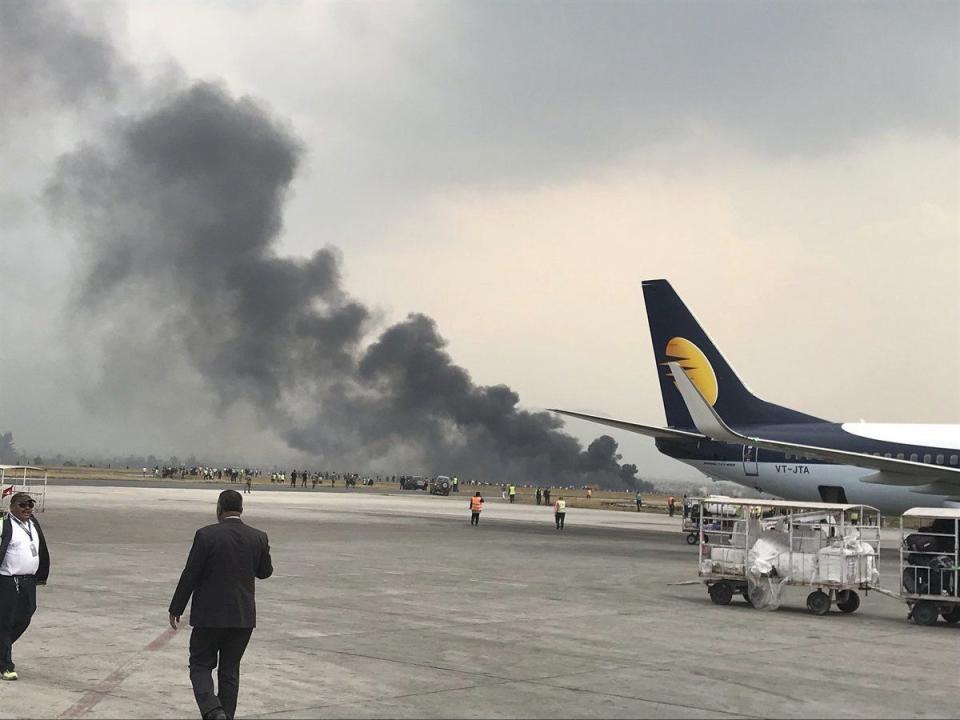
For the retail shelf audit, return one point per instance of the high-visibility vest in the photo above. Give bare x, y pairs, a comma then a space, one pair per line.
561, 506
476, 503
513, 489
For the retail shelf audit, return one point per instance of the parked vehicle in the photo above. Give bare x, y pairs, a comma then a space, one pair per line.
415, 482
929, 560
440, 485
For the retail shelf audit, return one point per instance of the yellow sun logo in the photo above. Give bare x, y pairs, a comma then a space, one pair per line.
695, 365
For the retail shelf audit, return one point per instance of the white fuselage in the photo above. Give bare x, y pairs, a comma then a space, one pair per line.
799, 480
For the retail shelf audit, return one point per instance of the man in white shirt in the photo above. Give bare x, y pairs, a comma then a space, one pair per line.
24, 564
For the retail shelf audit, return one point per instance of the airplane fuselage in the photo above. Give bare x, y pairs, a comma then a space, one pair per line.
802, 478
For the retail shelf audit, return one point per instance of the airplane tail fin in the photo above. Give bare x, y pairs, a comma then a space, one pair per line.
678, 337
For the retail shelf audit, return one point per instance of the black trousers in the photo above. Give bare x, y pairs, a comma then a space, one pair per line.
559, 518
474, 518
220, 648
18, 602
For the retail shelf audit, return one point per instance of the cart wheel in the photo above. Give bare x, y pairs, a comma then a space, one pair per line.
848, 601
746, 596
952, 616
818, 602
925, 613
721, 593
692, 539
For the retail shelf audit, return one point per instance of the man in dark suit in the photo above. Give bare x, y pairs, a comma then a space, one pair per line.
220, 571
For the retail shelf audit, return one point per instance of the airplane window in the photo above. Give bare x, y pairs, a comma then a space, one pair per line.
899, 456
913, 457
953, 459
888, 455
939, 459
926, 457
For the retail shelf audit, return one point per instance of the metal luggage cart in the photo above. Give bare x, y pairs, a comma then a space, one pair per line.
831, 548
22, 478
929, 560
710, 512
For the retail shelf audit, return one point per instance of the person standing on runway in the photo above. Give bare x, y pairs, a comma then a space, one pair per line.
219, 574
24, 564
560, 512
476, 505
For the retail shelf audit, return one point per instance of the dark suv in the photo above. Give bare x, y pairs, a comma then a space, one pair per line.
415, 482
440, 485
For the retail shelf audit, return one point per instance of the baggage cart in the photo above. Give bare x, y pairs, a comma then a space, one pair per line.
929, 546
758, 547
711, 513
22, 478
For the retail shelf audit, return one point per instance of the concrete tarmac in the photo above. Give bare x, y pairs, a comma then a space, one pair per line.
388, 605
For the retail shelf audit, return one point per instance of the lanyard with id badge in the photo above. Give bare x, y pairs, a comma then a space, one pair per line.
29, 532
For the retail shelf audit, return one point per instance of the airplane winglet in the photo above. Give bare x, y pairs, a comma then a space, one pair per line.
648, 430
704, 417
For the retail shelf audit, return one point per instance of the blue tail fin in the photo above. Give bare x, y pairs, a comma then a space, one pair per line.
677, 335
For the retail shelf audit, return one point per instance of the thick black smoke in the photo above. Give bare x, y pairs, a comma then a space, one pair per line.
177, 212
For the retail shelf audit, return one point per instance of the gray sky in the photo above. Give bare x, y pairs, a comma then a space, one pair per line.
514, 170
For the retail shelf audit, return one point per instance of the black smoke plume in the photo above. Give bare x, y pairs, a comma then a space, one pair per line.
178, 213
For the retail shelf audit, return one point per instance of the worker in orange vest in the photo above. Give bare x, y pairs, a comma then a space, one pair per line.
476, 505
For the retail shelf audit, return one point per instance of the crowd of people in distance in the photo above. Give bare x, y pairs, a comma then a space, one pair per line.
311, 479
201, 472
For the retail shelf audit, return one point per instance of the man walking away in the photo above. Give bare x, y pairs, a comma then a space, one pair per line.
539, 496
546, 496
220, 571
639, 501
513, 493
24, 564
671, 505
249, 488
560, 512
476, 505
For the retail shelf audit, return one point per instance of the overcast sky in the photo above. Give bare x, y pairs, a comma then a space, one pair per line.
514, 170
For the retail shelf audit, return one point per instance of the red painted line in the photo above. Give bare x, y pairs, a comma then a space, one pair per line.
112, 681
160, 640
